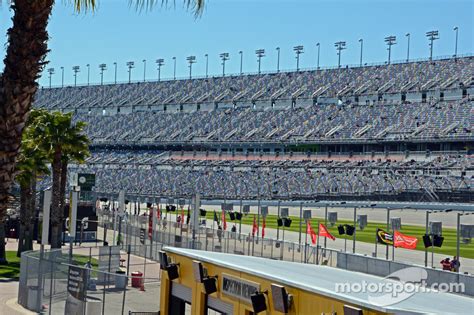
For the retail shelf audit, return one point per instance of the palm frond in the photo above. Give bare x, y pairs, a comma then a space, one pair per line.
196, 6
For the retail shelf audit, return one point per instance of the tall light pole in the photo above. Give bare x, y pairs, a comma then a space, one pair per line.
51, 72
241, 53
130, 66
390, 41
458, 234
76, 69
408, 45
174, 68
432, 36
224, 57
340, 46
298, 50
207, 64
427, 220
144, 69
278, 59
191, 60
260, 53
102, 68
62, 77
88, 72
319, 48
456, 29
159, 62
361, 41
115, 72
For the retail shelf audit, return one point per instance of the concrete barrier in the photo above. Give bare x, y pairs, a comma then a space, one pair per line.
381, 267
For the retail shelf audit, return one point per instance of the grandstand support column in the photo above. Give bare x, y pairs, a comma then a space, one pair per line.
361, 41
301, 223
355, 231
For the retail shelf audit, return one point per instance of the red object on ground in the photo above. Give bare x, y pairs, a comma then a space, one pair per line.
137, 280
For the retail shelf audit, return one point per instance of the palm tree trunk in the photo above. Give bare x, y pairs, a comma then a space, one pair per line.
56, 215
23, 61
63, 186
31, 215
24, 193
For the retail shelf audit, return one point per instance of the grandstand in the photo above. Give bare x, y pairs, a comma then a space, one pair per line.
400, 131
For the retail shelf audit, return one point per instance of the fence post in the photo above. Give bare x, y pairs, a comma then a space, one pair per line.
128, 270
51, 287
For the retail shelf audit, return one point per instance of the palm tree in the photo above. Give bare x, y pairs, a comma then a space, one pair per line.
31, 164
24, 60
63, 141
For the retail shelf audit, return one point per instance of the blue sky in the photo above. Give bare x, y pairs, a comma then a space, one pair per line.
118, 33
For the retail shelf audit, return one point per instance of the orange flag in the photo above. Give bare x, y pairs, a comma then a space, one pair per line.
254, 227
310, 231
224, 222
323, 231
404, 241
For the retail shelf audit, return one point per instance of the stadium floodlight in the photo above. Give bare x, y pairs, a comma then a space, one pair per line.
260, 53
130, 65
88, 72
115, 76
207, 64
62, 76
51, 72
298, 50
319, 48
432, 36
159, 62
408, 45
390, 41
224, 57
241, 53
174, 68
144, 69
191, 60
76, 69
278, 59
456, 29
102, 68
340, 46
361, 41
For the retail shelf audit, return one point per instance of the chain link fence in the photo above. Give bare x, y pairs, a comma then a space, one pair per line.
93, 280
147, 238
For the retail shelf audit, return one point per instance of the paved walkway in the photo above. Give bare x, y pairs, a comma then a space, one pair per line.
135, 299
